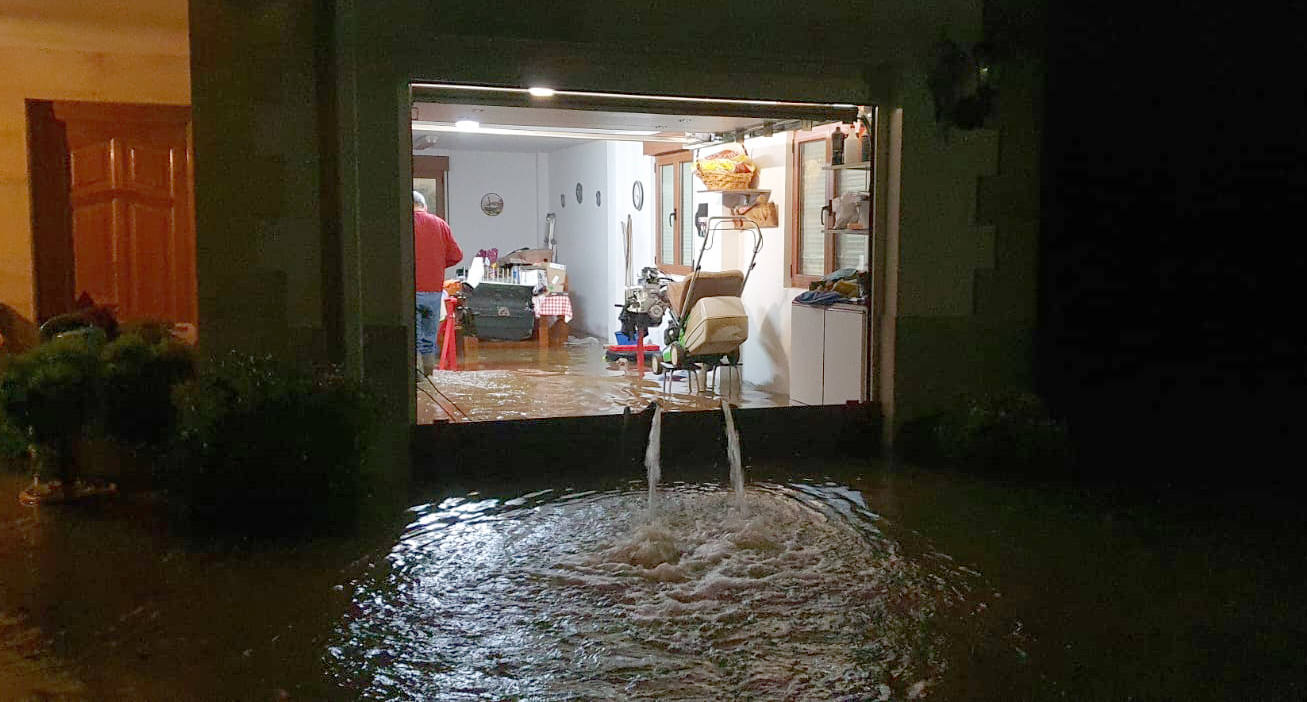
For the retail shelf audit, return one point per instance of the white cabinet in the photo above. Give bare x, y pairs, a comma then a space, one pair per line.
828, 352
807, 341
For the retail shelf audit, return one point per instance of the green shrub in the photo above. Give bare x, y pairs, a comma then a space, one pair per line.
13, 445
137, 377
1004, 432
49, 394
152, 331
265, 447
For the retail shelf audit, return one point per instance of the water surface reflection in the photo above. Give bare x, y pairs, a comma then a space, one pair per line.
795, 593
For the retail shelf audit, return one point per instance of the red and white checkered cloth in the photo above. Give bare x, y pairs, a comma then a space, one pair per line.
554, 304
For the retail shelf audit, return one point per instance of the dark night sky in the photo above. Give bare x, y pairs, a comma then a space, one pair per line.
1172, 281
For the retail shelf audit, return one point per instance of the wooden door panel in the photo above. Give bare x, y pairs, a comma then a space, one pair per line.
150, 170
93, 167
150, 261
94, 244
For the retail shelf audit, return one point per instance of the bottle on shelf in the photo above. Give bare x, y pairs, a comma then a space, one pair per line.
852, 147
837, 147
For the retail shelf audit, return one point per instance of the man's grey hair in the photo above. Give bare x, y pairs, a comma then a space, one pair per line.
418, 200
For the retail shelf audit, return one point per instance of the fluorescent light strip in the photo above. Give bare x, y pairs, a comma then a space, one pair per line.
501, 131
627, 96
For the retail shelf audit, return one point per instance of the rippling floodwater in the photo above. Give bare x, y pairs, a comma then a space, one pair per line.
828, 582
793, 594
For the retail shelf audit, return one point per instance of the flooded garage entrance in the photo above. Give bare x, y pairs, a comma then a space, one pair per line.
527, 381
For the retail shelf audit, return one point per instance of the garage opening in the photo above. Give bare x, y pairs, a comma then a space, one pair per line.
581, 253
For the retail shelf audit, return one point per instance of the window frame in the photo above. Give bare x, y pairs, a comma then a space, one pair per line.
676, 160
797, 139
434, 168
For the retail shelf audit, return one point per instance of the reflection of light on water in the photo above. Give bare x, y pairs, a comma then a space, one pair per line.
797, 593
520, 383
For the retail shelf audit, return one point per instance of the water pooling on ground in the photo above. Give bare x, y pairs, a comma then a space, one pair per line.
518, 382
793, 593
1104, 596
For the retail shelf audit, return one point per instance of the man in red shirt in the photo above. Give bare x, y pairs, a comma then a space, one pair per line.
434, 250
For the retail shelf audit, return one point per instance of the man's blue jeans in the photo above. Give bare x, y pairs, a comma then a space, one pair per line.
428, 321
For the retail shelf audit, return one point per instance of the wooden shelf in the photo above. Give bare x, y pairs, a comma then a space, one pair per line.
863, 166
737, 198
846, 231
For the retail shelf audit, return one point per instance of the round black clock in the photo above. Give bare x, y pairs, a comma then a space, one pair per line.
637, 195
580, 194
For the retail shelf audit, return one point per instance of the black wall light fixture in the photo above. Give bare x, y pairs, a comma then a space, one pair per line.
962, 83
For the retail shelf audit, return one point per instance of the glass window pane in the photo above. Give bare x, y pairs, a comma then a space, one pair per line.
852, 250
851, 180
689, 241
812, 185
434, 191
666, 203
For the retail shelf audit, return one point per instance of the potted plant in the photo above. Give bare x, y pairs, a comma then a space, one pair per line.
49, 394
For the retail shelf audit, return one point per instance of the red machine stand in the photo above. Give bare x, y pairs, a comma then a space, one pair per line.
448, 345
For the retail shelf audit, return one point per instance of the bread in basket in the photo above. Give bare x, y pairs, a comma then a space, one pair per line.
728, 169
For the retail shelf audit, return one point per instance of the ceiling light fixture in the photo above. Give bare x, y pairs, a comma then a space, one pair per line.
467, 125
633, 96
541, 92
608, 135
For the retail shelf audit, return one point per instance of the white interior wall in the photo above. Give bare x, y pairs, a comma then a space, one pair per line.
586, 235
544, 203
515, 177
628, 164
766, 355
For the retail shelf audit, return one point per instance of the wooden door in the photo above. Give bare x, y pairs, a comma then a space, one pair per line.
131, 200
430, 175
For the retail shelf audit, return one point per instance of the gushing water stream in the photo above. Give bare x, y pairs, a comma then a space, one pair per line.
653, 455
733, 452
781, 591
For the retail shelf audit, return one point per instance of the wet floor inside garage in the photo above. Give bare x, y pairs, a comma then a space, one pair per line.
526, 381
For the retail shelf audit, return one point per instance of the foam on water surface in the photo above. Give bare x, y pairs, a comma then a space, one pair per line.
788, 592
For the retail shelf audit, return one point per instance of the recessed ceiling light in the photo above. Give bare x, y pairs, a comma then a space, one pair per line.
541, 92
467, 124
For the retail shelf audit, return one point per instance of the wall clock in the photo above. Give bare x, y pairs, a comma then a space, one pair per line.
637, 195
598, 202
492, 204
580, 194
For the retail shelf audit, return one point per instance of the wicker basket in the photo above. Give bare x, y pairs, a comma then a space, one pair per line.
722, 180
725, 181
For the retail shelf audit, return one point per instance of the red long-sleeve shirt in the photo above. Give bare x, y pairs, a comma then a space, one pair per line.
434, 250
